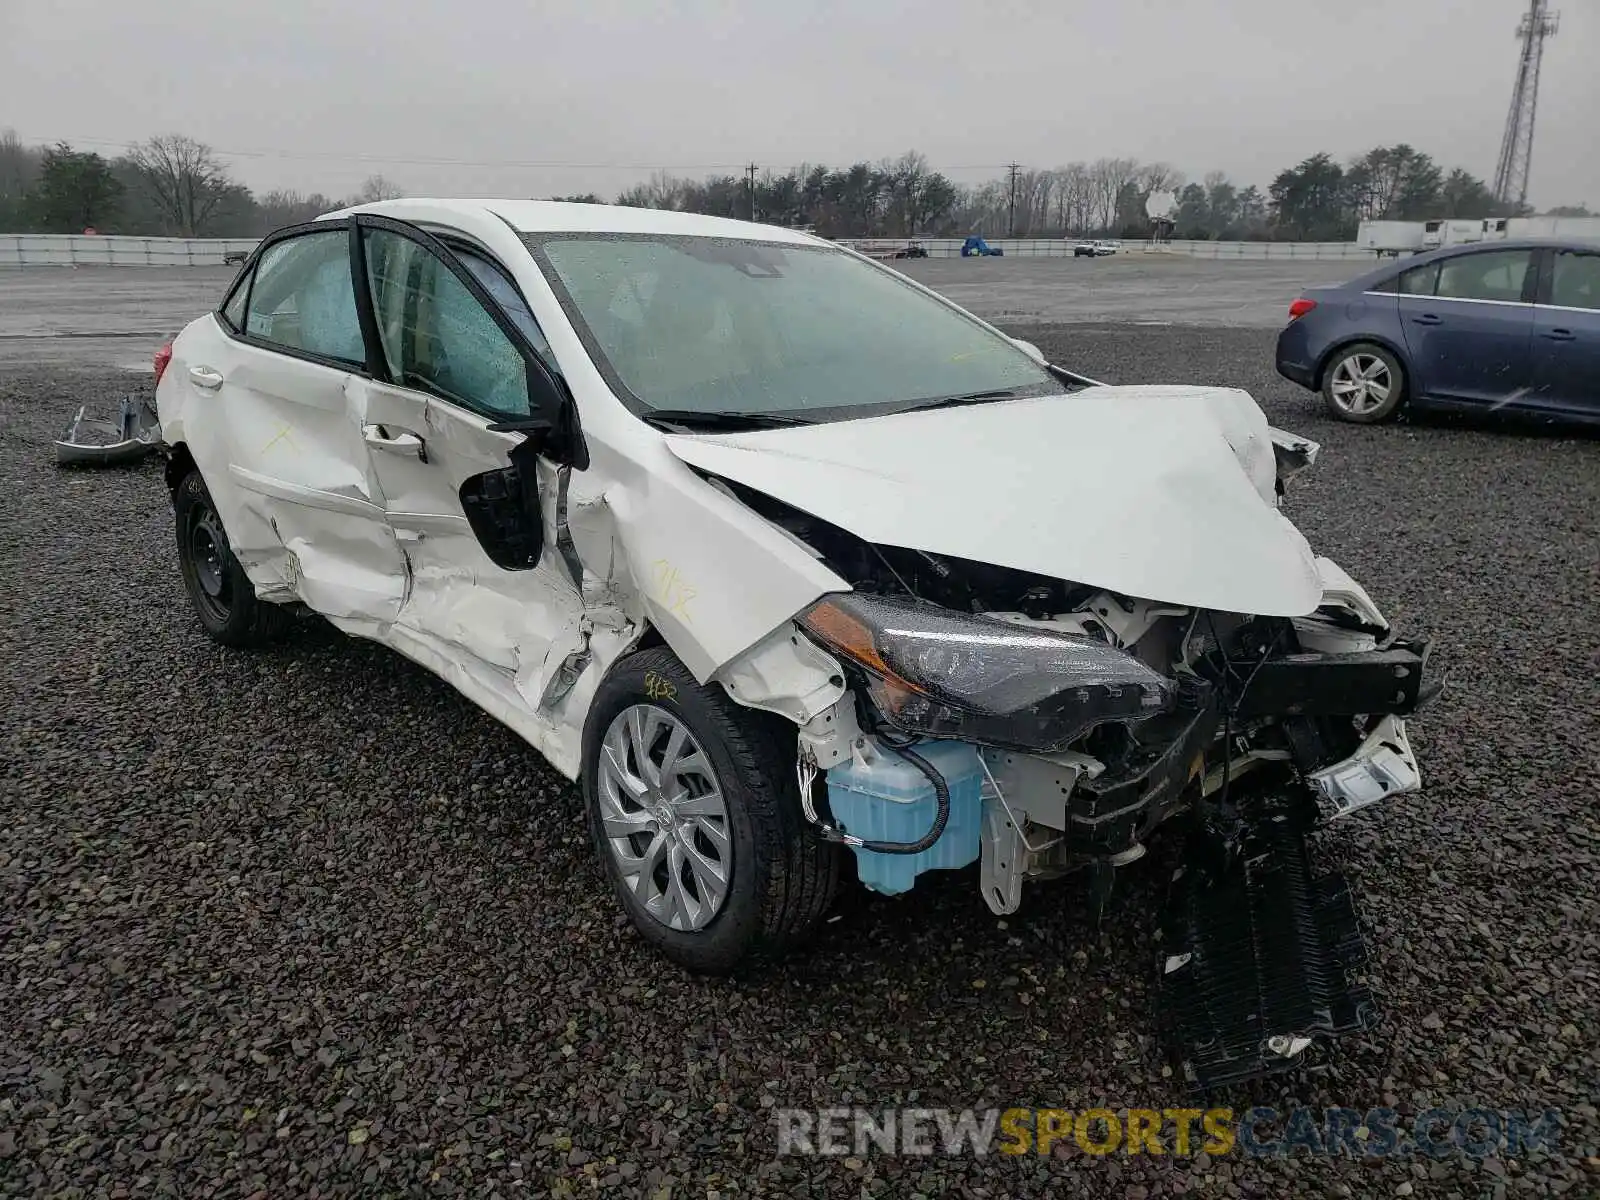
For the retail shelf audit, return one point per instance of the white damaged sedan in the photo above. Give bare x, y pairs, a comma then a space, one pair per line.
804, 572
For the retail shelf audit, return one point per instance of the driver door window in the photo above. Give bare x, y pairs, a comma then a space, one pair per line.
435, 335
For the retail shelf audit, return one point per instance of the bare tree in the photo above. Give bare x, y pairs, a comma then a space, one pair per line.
1033, 202
19, 164
279, 208
1074, 197
1159, 177
19, 170
376, 188
1107, 178
662, 191
183, 180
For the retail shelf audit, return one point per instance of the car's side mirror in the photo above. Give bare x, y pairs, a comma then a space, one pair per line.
552, 425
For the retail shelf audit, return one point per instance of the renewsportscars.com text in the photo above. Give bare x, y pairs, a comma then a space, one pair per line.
1259, 1132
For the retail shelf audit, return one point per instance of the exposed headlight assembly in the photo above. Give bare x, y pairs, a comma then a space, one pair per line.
946, 674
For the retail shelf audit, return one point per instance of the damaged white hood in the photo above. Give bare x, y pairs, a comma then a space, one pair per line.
1162, 493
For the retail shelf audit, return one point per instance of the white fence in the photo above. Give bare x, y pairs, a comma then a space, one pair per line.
33, 249
71, 250
1063, 248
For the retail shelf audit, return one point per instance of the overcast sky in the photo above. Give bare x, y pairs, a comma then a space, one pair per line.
494, 97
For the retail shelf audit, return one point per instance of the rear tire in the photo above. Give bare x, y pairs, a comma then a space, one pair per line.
222, 595
1363, 383
705, 844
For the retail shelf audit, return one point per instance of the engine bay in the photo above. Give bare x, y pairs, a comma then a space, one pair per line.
1268, 728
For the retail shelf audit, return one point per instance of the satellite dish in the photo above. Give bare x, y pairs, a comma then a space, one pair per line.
1160, 206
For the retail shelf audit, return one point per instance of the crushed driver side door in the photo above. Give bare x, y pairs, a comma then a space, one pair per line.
471, 505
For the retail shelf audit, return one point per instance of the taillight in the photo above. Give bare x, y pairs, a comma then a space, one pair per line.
163, 357
1300, 308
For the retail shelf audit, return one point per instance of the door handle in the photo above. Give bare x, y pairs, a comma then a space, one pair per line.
1560, 335
1428, 319
401, 441
205, 377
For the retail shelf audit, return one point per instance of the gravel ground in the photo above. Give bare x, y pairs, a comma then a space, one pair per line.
304, 923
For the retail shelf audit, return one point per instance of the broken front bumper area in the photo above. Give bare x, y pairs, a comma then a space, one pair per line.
1105, 812
1261, 955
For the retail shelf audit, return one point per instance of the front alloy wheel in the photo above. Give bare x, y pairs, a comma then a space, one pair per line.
694, 810
1365, 384
664, 818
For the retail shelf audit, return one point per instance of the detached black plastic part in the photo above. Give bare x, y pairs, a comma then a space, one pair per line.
1259, 959
503, 509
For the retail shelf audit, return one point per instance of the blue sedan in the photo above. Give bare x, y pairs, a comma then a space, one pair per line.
1506, 325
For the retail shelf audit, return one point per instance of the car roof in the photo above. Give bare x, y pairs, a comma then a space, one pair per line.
1528, 243
1400, 265
554, 216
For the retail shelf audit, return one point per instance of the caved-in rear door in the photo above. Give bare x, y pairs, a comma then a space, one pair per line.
289, 471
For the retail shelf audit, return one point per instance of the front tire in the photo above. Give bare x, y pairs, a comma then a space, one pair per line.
1364, 384
222, 595
693, 808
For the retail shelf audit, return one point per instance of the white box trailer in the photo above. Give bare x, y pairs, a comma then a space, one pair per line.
1577, 229
1392, 238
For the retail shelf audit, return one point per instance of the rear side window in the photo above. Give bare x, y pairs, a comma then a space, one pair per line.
1496, 275
1576, 280
303, 298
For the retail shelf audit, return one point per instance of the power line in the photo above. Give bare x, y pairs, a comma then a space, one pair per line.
429, 161
385, 160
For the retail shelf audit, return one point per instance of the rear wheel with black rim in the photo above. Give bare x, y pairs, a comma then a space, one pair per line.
694, 810
222, 595
1364, 383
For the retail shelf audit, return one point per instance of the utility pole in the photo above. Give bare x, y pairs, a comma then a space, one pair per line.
1516, 148
750, 184
1014, 168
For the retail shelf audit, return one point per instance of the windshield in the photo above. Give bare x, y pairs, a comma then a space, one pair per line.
696, 324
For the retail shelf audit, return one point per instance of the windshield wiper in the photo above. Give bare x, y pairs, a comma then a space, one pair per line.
964, 398
690, 418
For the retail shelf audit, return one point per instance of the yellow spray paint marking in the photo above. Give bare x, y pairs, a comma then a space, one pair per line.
283, 436
966, 354
657, 688
671, 589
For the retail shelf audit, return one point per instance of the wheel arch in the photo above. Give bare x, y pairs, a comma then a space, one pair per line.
785, 673
179, 463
